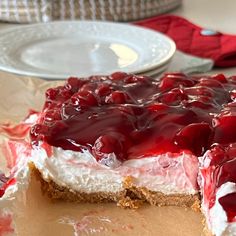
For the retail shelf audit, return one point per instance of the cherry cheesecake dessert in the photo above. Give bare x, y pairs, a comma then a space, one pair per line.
128, 139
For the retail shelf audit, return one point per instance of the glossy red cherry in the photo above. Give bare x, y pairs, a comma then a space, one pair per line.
52, 115
84, 98
118, 97
170, 81
173, 97
38, 131
135, 79
228, 202
117, 76
108, 145
195, 137
51, 93
218, 154
225, 129
73, 84
103, 89
174, 114
87, 88
219, 77
209, 82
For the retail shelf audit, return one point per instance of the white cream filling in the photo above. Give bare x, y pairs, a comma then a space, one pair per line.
81, 172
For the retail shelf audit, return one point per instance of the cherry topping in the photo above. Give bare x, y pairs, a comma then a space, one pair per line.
200, 91
195, 137
117, 97
84, 98
51, 93
103, 89
170, 81
178, 113
229, 204
38, 132
118, 76
110, 147
219, 77
225, 129
173, 97
209, 82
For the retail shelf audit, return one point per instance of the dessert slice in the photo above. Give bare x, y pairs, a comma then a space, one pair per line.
124, 137
128, 139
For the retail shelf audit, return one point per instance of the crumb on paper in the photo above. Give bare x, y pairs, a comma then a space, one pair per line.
127, 202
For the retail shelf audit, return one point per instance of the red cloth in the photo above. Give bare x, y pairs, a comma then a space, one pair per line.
190, 38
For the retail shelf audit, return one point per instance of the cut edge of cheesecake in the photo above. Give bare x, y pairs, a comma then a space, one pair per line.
130, 197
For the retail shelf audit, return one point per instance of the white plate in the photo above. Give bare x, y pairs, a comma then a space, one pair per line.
157, 71
82, 48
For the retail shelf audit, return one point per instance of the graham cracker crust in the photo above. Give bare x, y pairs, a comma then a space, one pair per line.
56, 192
161, 199
130, 197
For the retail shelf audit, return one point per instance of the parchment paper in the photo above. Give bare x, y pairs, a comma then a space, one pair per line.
34, 214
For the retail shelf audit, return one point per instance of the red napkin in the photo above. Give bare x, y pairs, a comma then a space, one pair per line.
192, 39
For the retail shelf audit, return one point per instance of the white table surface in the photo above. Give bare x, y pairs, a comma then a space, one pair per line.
219, 15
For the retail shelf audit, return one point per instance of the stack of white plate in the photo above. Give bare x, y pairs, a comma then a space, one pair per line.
82, 48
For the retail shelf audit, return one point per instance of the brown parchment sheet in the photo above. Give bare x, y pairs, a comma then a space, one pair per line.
35, 215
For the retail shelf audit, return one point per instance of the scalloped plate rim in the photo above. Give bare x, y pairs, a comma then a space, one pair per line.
54, 76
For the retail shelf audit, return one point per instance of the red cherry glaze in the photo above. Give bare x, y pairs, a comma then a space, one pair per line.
174, 80
118, 97
219, 77
225, 128
228, 202
5, 183
195, 137
137, 116
173, 97
109, 144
